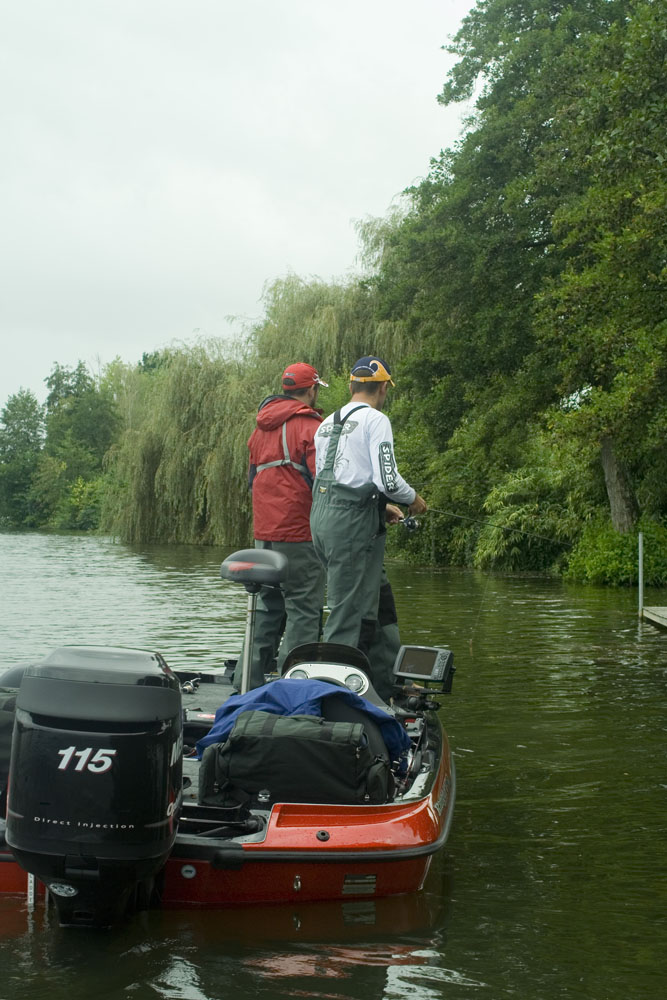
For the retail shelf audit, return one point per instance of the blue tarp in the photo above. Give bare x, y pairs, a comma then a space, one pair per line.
301, 697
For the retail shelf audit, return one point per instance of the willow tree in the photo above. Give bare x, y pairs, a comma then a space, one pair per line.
328, 324
178, 474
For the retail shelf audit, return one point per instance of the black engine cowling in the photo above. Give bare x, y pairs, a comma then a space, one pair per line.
95, 778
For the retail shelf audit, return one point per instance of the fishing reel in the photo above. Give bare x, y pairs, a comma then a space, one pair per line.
420, 701
191, 685
410, 524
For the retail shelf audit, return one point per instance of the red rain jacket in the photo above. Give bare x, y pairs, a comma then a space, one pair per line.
281, 495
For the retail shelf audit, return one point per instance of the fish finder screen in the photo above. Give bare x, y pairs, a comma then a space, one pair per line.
419, 661
423, 663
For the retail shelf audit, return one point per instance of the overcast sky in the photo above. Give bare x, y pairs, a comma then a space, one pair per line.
163, 159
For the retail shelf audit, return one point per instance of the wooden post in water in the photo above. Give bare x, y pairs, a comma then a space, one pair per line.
641, 573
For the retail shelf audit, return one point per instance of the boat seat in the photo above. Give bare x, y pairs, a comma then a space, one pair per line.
337, 710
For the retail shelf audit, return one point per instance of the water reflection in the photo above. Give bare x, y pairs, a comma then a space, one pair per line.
367, 948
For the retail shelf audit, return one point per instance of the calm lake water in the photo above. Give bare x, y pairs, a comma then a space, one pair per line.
553, 882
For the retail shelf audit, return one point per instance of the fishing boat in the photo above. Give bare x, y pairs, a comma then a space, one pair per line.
133, 786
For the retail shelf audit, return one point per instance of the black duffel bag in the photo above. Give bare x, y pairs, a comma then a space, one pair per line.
296, 758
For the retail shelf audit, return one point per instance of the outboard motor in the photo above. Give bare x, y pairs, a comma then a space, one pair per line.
95, 783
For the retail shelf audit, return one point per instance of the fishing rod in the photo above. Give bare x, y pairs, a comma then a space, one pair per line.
411, 524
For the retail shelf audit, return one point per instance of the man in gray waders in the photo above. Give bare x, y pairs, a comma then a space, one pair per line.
356, 476
281, 473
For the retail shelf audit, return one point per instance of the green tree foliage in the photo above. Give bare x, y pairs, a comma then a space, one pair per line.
464, 266
178, 473
81, 419
79, 508
50, 456
330, 324
49, 486
21, 439
603, 316
606, 556
518, 271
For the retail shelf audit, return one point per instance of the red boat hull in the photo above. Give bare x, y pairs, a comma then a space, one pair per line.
287, 882
315, 853
307, 852
310, 853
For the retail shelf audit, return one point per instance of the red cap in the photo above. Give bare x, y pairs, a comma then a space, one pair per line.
301, 376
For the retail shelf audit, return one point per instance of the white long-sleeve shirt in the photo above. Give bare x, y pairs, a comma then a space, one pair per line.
365, 452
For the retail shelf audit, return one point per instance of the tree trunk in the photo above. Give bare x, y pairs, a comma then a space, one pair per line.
624, 510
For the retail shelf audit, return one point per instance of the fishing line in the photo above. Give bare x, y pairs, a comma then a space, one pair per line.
411, 524
502, 527
479, 611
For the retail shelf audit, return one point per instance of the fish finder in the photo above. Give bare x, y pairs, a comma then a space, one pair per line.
425, 663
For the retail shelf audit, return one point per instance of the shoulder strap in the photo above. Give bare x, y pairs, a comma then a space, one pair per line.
337, 420
285, 460
334, 440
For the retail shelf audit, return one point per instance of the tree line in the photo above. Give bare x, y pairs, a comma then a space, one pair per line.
517, 292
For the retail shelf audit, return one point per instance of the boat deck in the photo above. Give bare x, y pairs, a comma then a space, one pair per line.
201, 705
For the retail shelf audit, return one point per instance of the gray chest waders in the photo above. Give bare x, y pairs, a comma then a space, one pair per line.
349, 540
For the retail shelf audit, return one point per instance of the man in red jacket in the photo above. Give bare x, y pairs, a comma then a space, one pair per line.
281, 474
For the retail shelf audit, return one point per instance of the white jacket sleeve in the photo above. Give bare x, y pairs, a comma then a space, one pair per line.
386, 476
